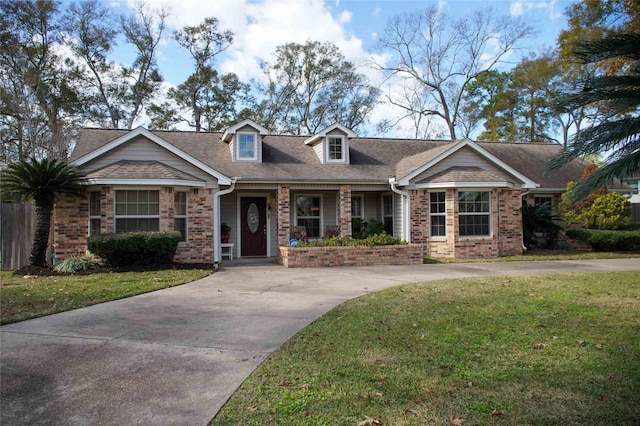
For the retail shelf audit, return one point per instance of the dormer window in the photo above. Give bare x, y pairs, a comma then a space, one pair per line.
245, 141
247, 149
335, 149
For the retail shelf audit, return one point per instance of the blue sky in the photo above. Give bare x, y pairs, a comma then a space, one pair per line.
353, 25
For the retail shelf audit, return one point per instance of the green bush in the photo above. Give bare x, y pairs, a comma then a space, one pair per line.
605, 240
609, 211
77, 264
362, 229
374, 240
135, 248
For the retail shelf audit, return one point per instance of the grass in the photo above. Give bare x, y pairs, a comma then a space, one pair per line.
557, 349
22, 299
538, 255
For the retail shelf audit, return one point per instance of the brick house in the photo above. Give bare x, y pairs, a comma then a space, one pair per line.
447, 198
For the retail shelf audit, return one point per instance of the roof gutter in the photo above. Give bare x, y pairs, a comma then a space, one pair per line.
406, 209
216, 222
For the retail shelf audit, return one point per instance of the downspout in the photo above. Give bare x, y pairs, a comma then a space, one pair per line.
524, 248
406, 211
216, 222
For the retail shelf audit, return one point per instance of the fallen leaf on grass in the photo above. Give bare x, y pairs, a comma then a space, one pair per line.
287, 383
538, 346
378, 394
599, 346
369, 421
458, 420
427, 389
614, 378
581, 342
410, 411
304, 386
496, 412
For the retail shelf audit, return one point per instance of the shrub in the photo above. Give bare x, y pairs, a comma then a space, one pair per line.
362, 229
374, 240
605, 240
76, 264
135, 248
609, 211
538, 220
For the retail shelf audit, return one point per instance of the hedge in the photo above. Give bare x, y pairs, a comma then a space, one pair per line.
373, 240
135, 248
608, 240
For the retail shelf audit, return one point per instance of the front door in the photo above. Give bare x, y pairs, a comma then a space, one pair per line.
254, 226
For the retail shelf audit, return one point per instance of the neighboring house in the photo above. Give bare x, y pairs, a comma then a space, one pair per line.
453, 198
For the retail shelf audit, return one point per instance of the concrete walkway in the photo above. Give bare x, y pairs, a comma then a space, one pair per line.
175, 356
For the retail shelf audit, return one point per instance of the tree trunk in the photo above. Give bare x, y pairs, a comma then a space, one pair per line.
41, 239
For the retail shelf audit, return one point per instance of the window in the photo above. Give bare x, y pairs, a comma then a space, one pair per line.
94, 212
180, 214
247, 146
387, 213
356, 214
544, 199
335, 151
308, 214
438, 213
474, 213
137, 210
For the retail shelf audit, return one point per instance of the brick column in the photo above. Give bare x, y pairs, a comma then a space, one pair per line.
284, 215
107, 210
419, 218
166, 209
344, 211
70, 224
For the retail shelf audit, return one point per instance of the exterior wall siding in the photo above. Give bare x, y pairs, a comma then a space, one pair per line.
465, 157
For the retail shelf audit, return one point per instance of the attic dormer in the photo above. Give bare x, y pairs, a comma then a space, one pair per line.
332, 144
245, 141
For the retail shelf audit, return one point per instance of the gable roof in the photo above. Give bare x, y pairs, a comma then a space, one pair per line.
441, 154
324, 132
248, 122
463, 176
150, 171
373, 160
141, 131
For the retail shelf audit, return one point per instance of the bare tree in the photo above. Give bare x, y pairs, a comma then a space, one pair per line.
436, 57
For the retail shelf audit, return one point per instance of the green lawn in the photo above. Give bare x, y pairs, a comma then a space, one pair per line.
539, 255
22, 298
558, 349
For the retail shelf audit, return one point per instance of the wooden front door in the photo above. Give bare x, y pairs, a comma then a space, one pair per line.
253, 226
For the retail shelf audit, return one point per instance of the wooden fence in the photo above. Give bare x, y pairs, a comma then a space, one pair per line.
17, 229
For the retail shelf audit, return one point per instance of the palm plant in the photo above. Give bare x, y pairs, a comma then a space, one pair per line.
540, 219
41, 181
618, 135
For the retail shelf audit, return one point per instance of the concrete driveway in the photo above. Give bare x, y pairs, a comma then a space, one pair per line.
175, 356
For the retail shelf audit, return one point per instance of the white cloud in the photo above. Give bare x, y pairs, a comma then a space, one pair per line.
516, 9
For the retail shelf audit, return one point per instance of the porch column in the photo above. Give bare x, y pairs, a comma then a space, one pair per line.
284, 215
344, 211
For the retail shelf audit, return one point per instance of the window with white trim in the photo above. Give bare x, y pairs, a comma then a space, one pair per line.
94, 212
247, 146
438, 213
543, 199
335, 148
474, 213
180, 214
387, 213
137, 210
357, 215
308, 214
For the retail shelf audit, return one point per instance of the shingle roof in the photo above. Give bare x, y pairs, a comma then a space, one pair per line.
127, 169
287, 158
462, 174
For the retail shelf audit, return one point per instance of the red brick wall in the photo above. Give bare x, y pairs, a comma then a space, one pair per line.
199, 247
308, 257
344, 211
284, 220
71, 226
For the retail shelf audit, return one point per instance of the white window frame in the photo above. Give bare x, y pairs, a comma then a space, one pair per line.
320, 217
390, 214
361, 198
343, 154
542, 196
254, 136
438, 214
487, 213
181, 216
117, 216
93, 215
